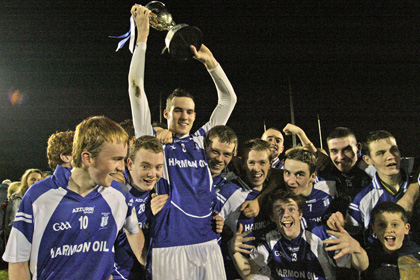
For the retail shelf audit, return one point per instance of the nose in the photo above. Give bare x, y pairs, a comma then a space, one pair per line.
184, 115
340, 154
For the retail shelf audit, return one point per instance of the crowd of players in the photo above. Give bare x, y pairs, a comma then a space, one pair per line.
182, 205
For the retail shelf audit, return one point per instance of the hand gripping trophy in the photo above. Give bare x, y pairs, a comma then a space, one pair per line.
179, 38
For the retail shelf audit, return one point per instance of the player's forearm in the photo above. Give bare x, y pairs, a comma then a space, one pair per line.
136, 242
138, 100
226, 97
19, 271
359, 259
243, 266
306, 142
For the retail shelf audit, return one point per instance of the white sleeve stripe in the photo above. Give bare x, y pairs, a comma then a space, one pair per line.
18, 214
221, 197
29, 221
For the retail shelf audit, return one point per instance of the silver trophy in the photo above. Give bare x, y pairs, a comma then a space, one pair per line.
180, 36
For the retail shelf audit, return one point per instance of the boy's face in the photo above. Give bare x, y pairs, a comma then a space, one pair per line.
298, 177
146, 169
390, 230
181, 115
276, 141
343, 152
384, 156
109, 161
257, 168
287, 217
219, 155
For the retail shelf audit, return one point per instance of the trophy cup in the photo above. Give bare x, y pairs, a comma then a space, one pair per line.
180, 36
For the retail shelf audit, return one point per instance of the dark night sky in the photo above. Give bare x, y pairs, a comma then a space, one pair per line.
354, 65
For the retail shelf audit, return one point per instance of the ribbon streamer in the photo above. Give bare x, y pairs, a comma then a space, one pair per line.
129, 35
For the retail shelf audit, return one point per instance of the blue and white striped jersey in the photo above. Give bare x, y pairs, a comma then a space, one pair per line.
186, 219
65, 235
301, 258
359, 210
318, 201
126, 265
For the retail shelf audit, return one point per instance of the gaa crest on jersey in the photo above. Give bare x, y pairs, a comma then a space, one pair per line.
130, 203
104, 220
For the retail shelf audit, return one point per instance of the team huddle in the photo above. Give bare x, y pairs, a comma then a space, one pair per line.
142, 201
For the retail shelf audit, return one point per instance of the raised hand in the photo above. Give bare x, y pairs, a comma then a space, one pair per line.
141, 17
205, 56
237, 243
344, 242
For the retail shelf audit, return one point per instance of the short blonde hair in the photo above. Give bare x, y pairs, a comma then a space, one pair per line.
13, 187
91, 133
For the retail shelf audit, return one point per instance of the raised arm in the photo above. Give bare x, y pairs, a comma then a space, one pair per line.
345, 244
246, 267
225, 93
138, 100
291, 129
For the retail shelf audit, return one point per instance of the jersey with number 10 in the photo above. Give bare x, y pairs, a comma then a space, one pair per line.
65, 235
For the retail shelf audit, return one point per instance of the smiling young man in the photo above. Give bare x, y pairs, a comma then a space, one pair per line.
389, 183
144, 169
192, 197
301, 178
63, 222
275, 138
293, 252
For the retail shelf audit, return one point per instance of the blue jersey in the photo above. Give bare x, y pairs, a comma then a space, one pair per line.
65, 235
277, 163
301, 258
359, 210
192, 198
126, 265
318, 201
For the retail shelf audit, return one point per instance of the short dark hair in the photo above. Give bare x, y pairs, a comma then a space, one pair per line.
146, 142
177, 93
128, 126
258, 145
159, 124
340, 132
390, 207
280, 194
225, 135
302, 155
374, 136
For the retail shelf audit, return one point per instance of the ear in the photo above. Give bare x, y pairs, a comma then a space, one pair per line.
313, 177
367, 159
129, 164
166, 114
65, 158
86, 158
407, 228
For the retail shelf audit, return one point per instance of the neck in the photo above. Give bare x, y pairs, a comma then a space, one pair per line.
308, 190
393, 181
80, 182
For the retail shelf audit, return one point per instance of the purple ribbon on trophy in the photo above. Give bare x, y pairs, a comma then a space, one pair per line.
160, 19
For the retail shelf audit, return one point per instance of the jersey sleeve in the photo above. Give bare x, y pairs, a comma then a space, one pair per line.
139, 105
20, 241
131, 222
226, 97
260, 254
